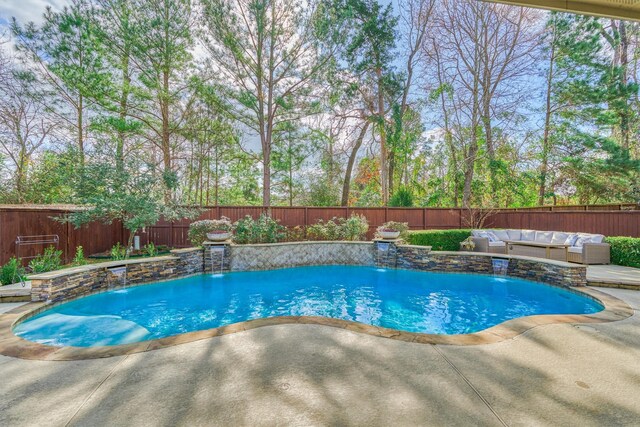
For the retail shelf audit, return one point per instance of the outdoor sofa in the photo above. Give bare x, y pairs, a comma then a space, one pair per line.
583, 248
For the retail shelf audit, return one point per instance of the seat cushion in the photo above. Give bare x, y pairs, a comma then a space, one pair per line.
588, 238
575, 250
597, 238
494, 244
492, 236
571, 239
544, 236
485, 234
559, 237
501, 234
514, 234
528, 235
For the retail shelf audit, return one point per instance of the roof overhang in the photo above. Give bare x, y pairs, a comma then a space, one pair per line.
619, 9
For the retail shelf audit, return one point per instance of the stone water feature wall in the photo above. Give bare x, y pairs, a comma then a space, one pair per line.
557, 273
282, 255
75, 282
217, 257
79, 281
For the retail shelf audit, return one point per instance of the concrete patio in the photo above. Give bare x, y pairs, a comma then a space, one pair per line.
613, 276
314, 375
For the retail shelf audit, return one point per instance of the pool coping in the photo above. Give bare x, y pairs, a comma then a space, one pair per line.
13, 346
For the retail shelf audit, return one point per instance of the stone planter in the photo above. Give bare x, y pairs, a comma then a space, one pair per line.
218, 236
389, 235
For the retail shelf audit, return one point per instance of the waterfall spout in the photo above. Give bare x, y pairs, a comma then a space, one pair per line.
500, 266
116, 276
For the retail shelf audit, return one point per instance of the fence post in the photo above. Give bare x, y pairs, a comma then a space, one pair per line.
67, 247
424, 218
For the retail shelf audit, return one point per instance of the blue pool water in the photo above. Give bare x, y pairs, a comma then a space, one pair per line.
436, 303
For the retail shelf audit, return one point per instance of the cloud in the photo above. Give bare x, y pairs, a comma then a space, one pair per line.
27, 10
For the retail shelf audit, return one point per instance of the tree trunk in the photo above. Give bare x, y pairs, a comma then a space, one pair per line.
266, 176
346, 186
166, 132
546, 148
384, 165
80, 125
124, 104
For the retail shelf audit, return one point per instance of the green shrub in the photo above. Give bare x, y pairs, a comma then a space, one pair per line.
402, 198
11, 272
439, 240
262, 230
118, 252
321, 230
353, 228
150, 249
50, 260
625, 251
79, 258
198, 229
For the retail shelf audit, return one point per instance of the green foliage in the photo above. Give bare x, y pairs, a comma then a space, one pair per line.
150, 249
11, 272
625, 251
118, 252
599, 107
263, 230
439, 240
198, 229
50, 260
353, 228
403, 197
133, 196
78, 258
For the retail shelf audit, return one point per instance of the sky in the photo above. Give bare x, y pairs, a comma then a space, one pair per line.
26, 10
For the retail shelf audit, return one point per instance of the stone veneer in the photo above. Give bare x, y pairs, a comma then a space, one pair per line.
557, 273
75, 282
282, 255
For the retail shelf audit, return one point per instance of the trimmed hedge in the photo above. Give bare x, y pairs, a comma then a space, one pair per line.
625, 251
439, 240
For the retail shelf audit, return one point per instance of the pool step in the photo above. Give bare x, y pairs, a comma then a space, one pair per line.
15, 295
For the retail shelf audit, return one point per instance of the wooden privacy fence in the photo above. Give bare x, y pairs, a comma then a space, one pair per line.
175, 233
19, 221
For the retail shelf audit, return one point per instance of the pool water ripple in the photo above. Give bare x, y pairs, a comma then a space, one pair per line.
413, 301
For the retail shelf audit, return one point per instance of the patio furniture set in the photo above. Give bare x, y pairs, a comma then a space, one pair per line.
583, 248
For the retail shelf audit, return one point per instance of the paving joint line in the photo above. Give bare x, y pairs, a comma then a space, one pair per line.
84, 402
466, 380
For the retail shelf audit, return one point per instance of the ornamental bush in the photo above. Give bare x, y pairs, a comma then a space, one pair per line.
262, 230
11, 272
50, 260
198, 229
353, 228
78, 258
625, 251
439, 240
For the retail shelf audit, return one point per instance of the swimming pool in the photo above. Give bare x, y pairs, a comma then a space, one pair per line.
413, 301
